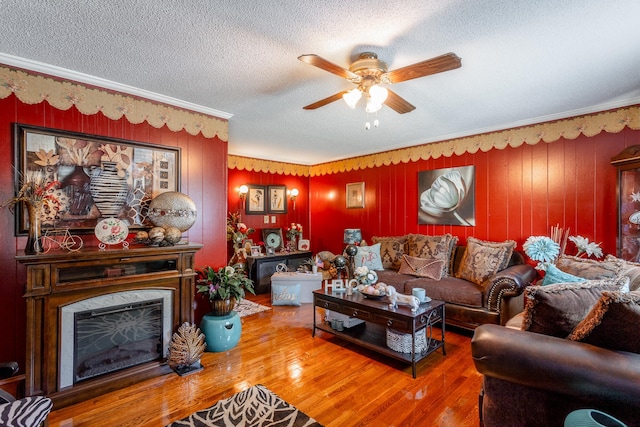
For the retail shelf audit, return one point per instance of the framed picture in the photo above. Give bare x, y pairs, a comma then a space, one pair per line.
255, 251
303, 245
247, 244
98, 177
272, 237
355, 195
255, 202
447, 196
277, 199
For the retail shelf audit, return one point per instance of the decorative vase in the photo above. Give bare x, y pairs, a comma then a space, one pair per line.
108, 189
222, 307
77, 188
293, 245
34, 244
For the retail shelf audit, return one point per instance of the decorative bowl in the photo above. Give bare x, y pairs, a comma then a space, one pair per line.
373, 296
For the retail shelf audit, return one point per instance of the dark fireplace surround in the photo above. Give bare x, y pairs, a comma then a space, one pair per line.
109, 288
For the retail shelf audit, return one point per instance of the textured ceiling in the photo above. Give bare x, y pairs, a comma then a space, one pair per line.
523, 61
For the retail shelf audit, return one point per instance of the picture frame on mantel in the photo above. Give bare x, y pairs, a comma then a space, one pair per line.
98, 177
355, 195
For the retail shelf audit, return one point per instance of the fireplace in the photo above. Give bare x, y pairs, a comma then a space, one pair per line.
90, 332
111, 332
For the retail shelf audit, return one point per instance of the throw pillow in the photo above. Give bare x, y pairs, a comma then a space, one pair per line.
432, 247
27, 412
557, 309
420, 267
285, 294
554, 275
391, 251
612, 323
482, 260
369, 256
590, 269
627, 268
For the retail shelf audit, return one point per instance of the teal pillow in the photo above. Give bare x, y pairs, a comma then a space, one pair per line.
285, 294
368, 256
554, 275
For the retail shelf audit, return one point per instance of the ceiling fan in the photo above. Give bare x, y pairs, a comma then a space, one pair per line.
368, 72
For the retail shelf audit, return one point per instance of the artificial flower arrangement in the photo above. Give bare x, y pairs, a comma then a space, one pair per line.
365, 276
546, 251
237, 231
586, 248
225, 283
34, 190
294, 230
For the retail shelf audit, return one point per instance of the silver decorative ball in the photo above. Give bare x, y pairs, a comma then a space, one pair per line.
340, 261
156, 234
173, 209
172, 235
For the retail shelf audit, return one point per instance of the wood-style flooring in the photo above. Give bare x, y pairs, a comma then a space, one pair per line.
337, 383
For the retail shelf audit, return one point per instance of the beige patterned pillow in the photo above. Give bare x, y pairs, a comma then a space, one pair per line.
589, 269
432, 247
421, 267
482, 259
391, 250
626, 268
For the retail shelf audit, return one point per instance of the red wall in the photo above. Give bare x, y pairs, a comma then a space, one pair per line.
298, 215
203, 178
519, 192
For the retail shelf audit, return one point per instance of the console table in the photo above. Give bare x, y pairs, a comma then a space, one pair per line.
377, 318
262, 267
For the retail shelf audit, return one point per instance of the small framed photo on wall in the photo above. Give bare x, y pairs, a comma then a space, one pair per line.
355, 195
277, 199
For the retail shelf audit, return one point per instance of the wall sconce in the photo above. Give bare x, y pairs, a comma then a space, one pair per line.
293, 194
242, 194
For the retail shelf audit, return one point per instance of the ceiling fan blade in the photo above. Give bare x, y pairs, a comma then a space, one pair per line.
327, 100
446, 62
398, 103
322, 63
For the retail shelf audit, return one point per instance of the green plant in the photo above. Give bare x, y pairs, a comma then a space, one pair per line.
224, 283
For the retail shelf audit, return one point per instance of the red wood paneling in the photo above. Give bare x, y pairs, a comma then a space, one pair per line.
203, 167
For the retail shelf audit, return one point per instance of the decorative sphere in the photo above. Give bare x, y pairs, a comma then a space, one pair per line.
172, 235
173, 209
351, 250
156, 234
340, 261
141, 236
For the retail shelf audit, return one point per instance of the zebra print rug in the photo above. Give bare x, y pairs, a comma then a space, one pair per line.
254, 407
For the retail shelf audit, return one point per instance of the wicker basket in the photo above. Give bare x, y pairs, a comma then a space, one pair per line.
401, 342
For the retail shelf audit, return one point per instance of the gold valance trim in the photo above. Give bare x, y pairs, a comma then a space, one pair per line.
612, 121
32, 88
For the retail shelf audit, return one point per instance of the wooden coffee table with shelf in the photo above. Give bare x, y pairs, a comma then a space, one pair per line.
377, 318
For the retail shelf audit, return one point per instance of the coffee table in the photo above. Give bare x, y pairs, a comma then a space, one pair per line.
377, 318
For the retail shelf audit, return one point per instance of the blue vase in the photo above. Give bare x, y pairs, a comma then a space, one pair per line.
221, 332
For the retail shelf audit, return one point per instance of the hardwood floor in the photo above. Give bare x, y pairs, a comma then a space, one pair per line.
336, 383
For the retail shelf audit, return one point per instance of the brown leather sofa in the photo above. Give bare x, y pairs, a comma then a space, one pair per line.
467, 304
532, 379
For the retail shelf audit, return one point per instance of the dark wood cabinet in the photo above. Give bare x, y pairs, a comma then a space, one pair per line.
261, 268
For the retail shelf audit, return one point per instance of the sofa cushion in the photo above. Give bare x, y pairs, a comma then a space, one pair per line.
590, 269
553, 275
448, 289
432, 247
612, 322
557, 309
368, 256
421, 267
395, 279
391, 250
627, 268
482, 259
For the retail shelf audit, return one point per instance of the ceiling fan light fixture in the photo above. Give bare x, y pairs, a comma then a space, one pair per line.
378, 94
352, 97
372, 106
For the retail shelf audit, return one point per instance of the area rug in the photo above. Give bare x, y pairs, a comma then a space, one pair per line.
246, 308
254, 407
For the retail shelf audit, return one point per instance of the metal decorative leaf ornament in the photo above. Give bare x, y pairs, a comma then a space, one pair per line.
186, 348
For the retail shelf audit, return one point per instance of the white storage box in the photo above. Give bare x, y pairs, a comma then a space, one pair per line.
309, 282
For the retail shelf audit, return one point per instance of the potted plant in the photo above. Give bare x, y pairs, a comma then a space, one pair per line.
223, 287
